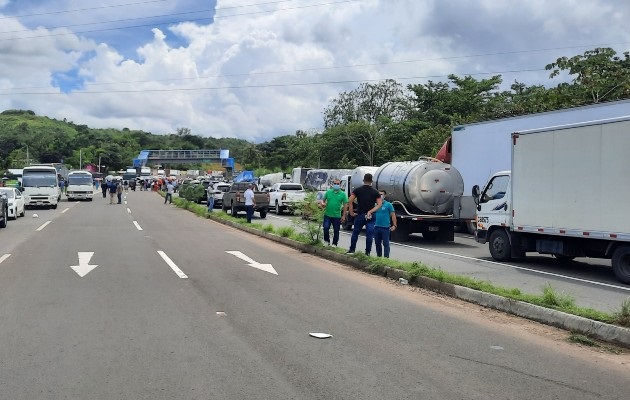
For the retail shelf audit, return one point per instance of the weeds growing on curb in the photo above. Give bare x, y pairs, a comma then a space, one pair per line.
582, 339
549, 298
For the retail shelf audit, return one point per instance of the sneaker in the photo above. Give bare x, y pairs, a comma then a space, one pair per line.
350, 252
327, 244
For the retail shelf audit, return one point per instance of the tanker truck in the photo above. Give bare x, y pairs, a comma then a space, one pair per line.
425, 194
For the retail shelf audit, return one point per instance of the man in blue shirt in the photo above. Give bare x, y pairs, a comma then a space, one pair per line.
384, 224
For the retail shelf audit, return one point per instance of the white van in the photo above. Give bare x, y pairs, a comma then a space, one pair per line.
80, 186
40, 186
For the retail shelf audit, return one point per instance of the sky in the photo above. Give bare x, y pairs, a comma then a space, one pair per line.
257, 69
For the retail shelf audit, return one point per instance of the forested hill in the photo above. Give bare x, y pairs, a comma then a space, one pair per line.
370, 125
42, 139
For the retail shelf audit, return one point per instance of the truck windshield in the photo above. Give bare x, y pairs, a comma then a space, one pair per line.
496, 188
39, 179
79, 180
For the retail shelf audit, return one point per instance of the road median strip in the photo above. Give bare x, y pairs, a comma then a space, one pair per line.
591, 327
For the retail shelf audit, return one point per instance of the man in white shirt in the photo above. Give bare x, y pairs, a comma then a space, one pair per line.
169, 192
250, 203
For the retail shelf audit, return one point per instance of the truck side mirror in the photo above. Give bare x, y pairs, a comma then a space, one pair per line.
476, 193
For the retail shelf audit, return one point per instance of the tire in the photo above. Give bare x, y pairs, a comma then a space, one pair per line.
54, 207
562, 259
15, 214
224, 208
3, 224
471, 227
401, 233
263, 214
621, 263
430, 235
278, 208
23, 211
499, 244
233, 210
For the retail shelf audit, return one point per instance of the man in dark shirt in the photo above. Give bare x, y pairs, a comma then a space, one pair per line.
368, 201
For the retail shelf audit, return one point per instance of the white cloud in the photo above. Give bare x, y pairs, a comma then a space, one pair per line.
247, 76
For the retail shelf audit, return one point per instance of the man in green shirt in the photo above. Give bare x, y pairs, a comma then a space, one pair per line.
333, 201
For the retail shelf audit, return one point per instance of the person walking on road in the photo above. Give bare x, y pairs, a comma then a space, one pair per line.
113, 188
333, 202
169, 192
104, 186
385, 223
250, 202
119, 190
368, 201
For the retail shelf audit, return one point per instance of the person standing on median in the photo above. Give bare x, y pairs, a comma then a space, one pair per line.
169, 192
368, 201
250, 202
385, 222
333, 201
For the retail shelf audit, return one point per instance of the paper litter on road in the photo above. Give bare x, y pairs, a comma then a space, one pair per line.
320, 335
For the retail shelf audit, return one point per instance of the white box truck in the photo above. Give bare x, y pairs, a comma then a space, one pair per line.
481, 149
566, 194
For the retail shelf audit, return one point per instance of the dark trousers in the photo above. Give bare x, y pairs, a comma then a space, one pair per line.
250, 212
104, 191
168, 197
359, 223
119, 197
381, 235
336, 223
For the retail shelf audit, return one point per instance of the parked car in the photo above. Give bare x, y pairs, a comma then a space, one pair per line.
15, 202
4, 212
234, 201
217, 190
283, 196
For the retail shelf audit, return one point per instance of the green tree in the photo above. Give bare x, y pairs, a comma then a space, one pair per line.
598, 75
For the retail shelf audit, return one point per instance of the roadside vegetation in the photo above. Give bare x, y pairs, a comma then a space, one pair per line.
308, 230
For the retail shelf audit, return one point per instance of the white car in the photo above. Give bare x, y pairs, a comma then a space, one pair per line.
15, 200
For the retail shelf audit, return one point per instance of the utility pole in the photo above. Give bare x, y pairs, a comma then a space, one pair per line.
80, 158
99, 164
28, 160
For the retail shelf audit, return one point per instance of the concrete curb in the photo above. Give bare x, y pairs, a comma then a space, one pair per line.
595, 329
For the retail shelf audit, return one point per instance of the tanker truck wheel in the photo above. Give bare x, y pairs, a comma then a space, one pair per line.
499, 245
401, 233
621, 263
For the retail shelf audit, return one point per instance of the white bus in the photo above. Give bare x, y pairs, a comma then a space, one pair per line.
80, 185
40, 186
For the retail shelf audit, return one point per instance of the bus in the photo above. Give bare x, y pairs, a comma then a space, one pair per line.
80, 185
40, 186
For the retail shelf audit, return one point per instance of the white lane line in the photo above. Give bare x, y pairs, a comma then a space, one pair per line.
137, 226
43, 225
567, 277
64, 211
128, 210
4, 257
571, 278
171, 264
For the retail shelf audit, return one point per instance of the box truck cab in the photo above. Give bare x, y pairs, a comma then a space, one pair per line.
40, 186
565, 195
80, 186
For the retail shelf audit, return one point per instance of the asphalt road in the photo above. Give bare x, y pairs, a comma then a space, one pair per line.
164, 312
589, 281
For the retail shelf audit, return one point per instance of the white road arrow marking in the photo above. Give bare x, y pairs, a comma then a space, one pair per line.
264, 267
84, 266
4, 257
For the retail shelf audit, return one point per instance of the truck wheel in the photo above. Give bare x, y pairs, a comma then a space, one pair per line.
430, 235
278, 209
471, 227
499, 245
3, 224
234, 211
562, 259
224, 208
401, 233
263, 214
54, 207
621, 263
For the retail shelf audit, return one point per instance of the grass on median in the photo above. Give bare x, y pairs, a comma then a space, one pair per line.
549, 298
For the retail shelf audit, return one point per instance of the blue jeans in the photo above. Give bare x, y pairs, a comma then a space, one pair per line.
381, 234
250, 212
336, 223
359, 222
210, 203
